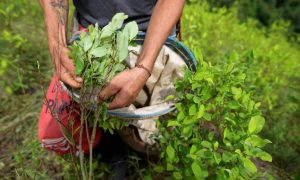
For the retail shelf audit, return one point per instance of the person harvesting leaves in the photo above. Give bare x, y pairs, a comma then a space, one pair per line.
157, 18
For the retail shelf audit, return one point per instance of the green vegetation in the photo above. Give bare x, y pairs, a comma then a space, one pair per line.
214, 134
265, 11
272, 74
247, 77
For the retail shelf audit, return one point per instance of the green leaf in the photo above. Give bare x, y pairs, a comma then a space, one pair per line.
239, 152
249, 165
256, 124
91, 29
117, 21
227, 156
201, 111
256, 141
237, 92
180, 115
170, 97
196, 99
211, 136
226, 133
206, 144
87, 43
79, 64
264, 156
122, 46
217, 157
131, 29
192, 110
68, 135
233, 105
118, 68
95, 66
229, 67
107, 31
207, 116
115, 24
173, 123
216, 145
99, 52
177, 175
103, 66
187, 131
170, 153
193, 149
197, 170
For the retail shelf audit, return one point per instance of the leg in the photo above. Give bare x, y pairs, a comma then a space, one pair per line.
114, 152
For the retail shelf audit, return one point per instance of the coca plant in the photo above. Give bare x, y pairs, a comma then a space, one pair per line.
214, 133
98, 56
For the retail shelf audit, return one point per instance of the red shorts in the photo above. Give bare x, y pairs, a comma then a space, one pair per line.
59, 124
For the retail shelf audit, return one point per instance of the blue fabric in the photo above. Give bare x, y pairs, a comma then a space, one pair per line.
172, 35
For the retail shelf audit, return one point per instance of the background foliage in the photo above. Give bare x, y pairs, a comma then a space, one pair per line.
265, 11
215, 34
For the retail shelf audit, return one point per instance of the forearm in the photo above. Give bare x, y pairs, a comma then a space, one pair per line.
164, 17
56, 18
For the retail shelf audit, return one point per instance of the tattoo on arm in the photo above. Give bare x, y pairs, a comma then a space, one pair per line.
62, 9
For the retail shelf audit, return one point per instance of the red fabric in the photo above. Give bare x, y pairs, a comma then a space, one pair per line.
81, 28
60, 115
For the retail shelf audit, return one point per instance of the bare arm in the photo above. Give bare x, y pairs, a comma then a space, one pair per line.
56, 20
164, 17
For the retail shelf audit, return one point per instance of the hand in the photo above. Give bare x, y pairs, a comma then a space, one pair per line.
64, 66
125, 86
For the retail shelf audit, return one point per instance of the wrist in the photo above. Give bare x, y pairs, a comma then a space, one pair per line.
146, 63
141, 66
140, 73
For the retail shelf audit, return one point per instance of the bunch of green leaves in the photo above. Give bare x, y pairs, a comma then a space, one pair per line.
214, 133
99, 54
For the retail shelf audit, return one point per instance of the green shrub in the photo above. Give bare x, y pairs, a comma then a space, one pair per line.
272, 73
214, 132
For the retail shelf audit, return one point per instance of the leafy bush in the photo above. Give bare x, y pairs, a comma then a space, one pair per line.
272, 73
214, 132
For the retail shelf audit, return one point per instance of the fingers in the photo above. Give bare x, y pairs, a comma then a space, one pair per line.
68, 79
67, 69
110, 90
67, 62
121, 100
